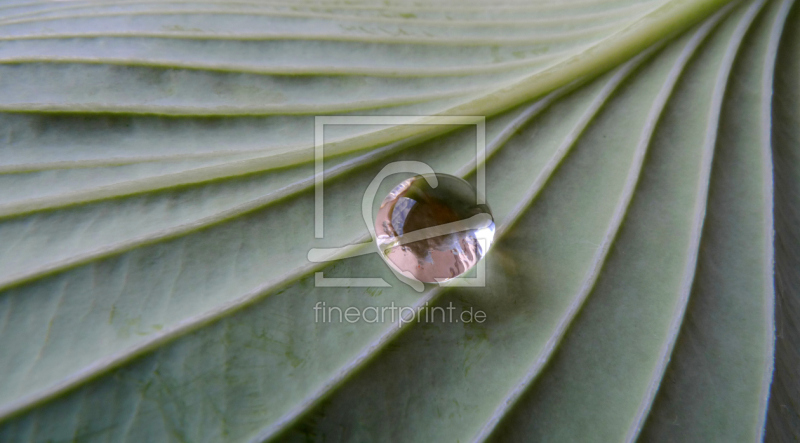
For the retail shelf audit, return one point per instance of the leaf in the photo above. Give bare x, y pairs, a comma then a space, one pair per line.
159, 204
783, 422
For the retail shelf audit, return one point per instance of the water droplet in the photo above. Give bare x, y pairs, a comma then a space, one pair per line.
435, 233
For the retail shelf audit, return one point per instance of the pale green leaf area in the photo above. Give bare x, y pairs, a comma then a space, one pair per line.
158, 202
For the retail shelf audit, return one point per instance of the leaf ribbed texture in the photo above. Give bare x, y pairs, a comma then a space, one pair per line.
156, 162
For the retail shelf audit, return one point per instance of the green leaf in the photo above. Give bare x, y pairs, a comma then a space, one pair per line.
158, 211
783, 420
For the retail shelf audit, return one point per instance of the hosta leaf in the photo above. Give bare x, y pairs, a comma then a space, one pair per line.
783, 417
158, 212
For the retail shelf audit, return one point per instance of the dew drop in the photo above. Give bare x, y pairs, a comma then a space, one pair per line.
435, 233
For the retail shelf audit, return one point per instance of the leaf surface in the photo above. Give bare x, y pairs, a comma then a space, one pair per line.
158, 211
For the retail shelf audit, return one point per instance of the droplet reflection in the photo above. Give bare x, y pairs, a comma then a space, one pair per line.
436, 234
